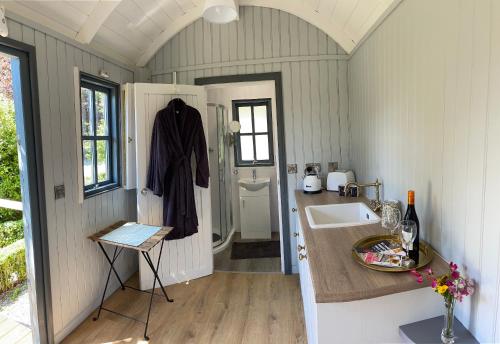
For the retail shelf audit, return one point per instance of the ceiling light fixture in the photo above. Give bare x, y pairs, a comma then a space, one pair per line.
220, 11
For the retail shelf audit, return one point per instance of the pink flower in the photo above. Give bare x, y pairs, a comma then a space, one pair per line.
420, 279
455, 274
415, 273
453, 266
428, 271
434, 283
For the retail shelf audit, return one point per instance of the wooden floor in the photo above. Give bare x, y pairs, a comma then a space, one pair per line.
13, 332
223, 261
221, 308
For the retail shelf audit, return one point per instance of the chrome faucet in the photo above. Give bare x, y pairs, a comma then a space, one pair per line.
375, 204
254, 174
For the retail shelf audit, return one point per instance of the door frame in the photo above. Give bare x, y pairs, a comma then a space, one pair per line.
37, 239
280, 124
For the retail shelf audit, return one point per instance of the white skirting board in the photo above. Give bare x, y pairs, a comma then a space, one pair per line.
146, 277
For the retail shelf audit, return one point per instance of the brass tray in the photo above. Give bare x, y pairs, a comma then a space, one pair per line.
425, 257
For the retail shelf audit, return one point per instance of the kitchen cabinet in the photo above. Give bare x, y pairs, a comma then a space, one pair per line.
307, 289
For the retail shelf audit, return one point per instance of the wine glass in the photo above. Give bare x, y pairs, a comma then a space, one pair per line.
407, 234
391, 215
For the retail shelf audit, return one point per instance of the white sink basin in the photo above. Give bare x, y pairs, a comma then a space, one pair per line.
340, 215
254, 184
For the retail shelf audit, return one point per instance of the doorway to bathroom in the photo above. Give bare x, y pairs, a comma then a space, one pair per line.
244, 165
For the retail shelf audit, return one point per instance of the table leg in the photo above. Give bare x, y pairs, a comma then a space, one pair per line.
148, 259
111, 262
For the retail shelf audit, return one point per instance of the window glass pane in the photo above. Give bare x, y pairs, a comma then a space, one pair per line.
262, 147
260, 118
87, 118
88, 162
246, 148
101, 100
245, 118
102, 161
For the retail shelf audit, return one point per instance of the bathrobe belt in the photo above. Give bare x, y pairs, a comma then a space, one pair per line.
185, 185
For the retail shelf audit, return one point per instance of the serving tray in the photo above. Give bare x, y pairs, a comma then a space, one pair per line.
425, 257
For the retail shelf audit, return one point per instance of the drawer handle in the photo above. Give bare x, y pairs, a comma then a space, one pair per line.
295, 234
144, 192
300, 248
302, 256
294, 210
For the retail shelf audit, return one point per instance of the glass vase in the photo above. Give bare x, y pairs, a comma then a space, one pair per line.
447, 335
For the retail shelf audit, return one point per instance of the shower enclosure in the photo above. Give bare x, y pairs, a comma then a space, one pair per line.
220, 174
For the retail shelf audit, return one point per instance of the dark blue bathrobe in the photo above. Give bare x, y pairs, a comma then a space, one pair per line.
177, 131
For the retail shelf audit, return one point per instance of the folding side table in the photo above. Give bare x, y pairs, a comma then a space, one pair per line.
149, 242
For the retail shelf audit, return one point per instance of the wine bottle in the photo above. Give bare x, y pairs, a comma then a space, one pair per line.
411, 214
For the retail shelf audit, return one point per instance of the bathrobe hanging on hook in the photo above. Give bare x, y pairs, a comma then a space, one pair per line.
177, 131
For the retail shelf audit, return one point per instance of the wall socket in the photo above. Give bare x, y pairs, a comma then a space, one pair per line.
59, 191
292, 168
333, 166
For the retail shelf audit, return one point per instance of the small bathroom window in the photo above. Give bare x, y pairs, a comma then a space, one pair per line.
254, 142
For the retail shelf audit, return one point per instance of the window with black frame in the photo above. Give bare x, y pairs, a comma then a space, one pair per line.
100, 128
254, 142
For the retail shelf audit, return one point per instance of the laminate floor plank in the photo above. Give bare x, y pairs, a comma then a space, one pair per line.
221, 308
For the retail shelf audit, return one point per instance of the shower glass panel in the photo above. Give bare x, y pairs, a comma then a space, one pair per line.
222, 217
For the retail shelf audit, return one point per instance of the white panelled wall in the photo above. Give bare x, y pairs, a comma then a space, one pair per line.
424, 95
77, 266
314, 72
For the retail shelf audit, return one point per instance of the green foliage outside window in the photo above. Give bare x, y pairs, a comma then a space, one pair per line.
10, 187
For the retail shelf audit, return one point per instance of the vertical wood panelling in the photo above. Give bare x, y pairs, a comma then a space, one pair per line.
76, 266
424, 114
314, 92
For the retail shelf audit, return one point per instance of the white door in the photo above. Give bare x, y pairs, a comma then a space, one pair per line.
187, 258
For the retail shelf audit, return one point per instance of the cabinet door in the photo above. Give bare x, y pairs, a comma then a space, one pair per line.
307, 290
255, 217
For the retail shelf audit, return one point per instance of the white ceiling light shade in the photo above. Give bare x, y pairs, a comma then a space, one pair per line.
220, 11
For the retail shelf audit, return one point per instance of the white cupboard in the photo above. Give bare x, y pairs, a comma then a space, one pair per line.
373, 320
255, 214
307, 289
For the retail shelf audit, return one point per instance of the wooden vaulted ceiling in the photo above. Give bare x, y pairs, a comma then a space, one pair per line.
131, 31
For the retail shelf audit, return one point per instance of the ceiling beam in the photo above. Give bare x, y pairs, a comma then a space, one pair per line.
94, 21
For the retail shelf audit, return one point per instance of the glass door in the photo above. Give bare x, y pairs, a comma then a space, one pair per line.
222, 219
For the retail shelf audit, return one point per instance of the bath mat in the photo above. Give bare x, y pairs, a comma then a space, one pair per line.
257, 249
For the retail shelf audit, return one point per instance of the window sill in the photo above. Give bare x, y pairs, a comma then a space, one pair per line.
99, 191
271, 164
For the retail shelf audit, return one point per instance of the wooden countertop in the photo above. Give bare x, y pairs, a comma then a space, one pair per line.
336, 277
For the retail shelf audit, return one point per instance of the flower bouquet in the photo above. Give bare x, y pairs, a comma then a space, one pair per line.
453, 286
